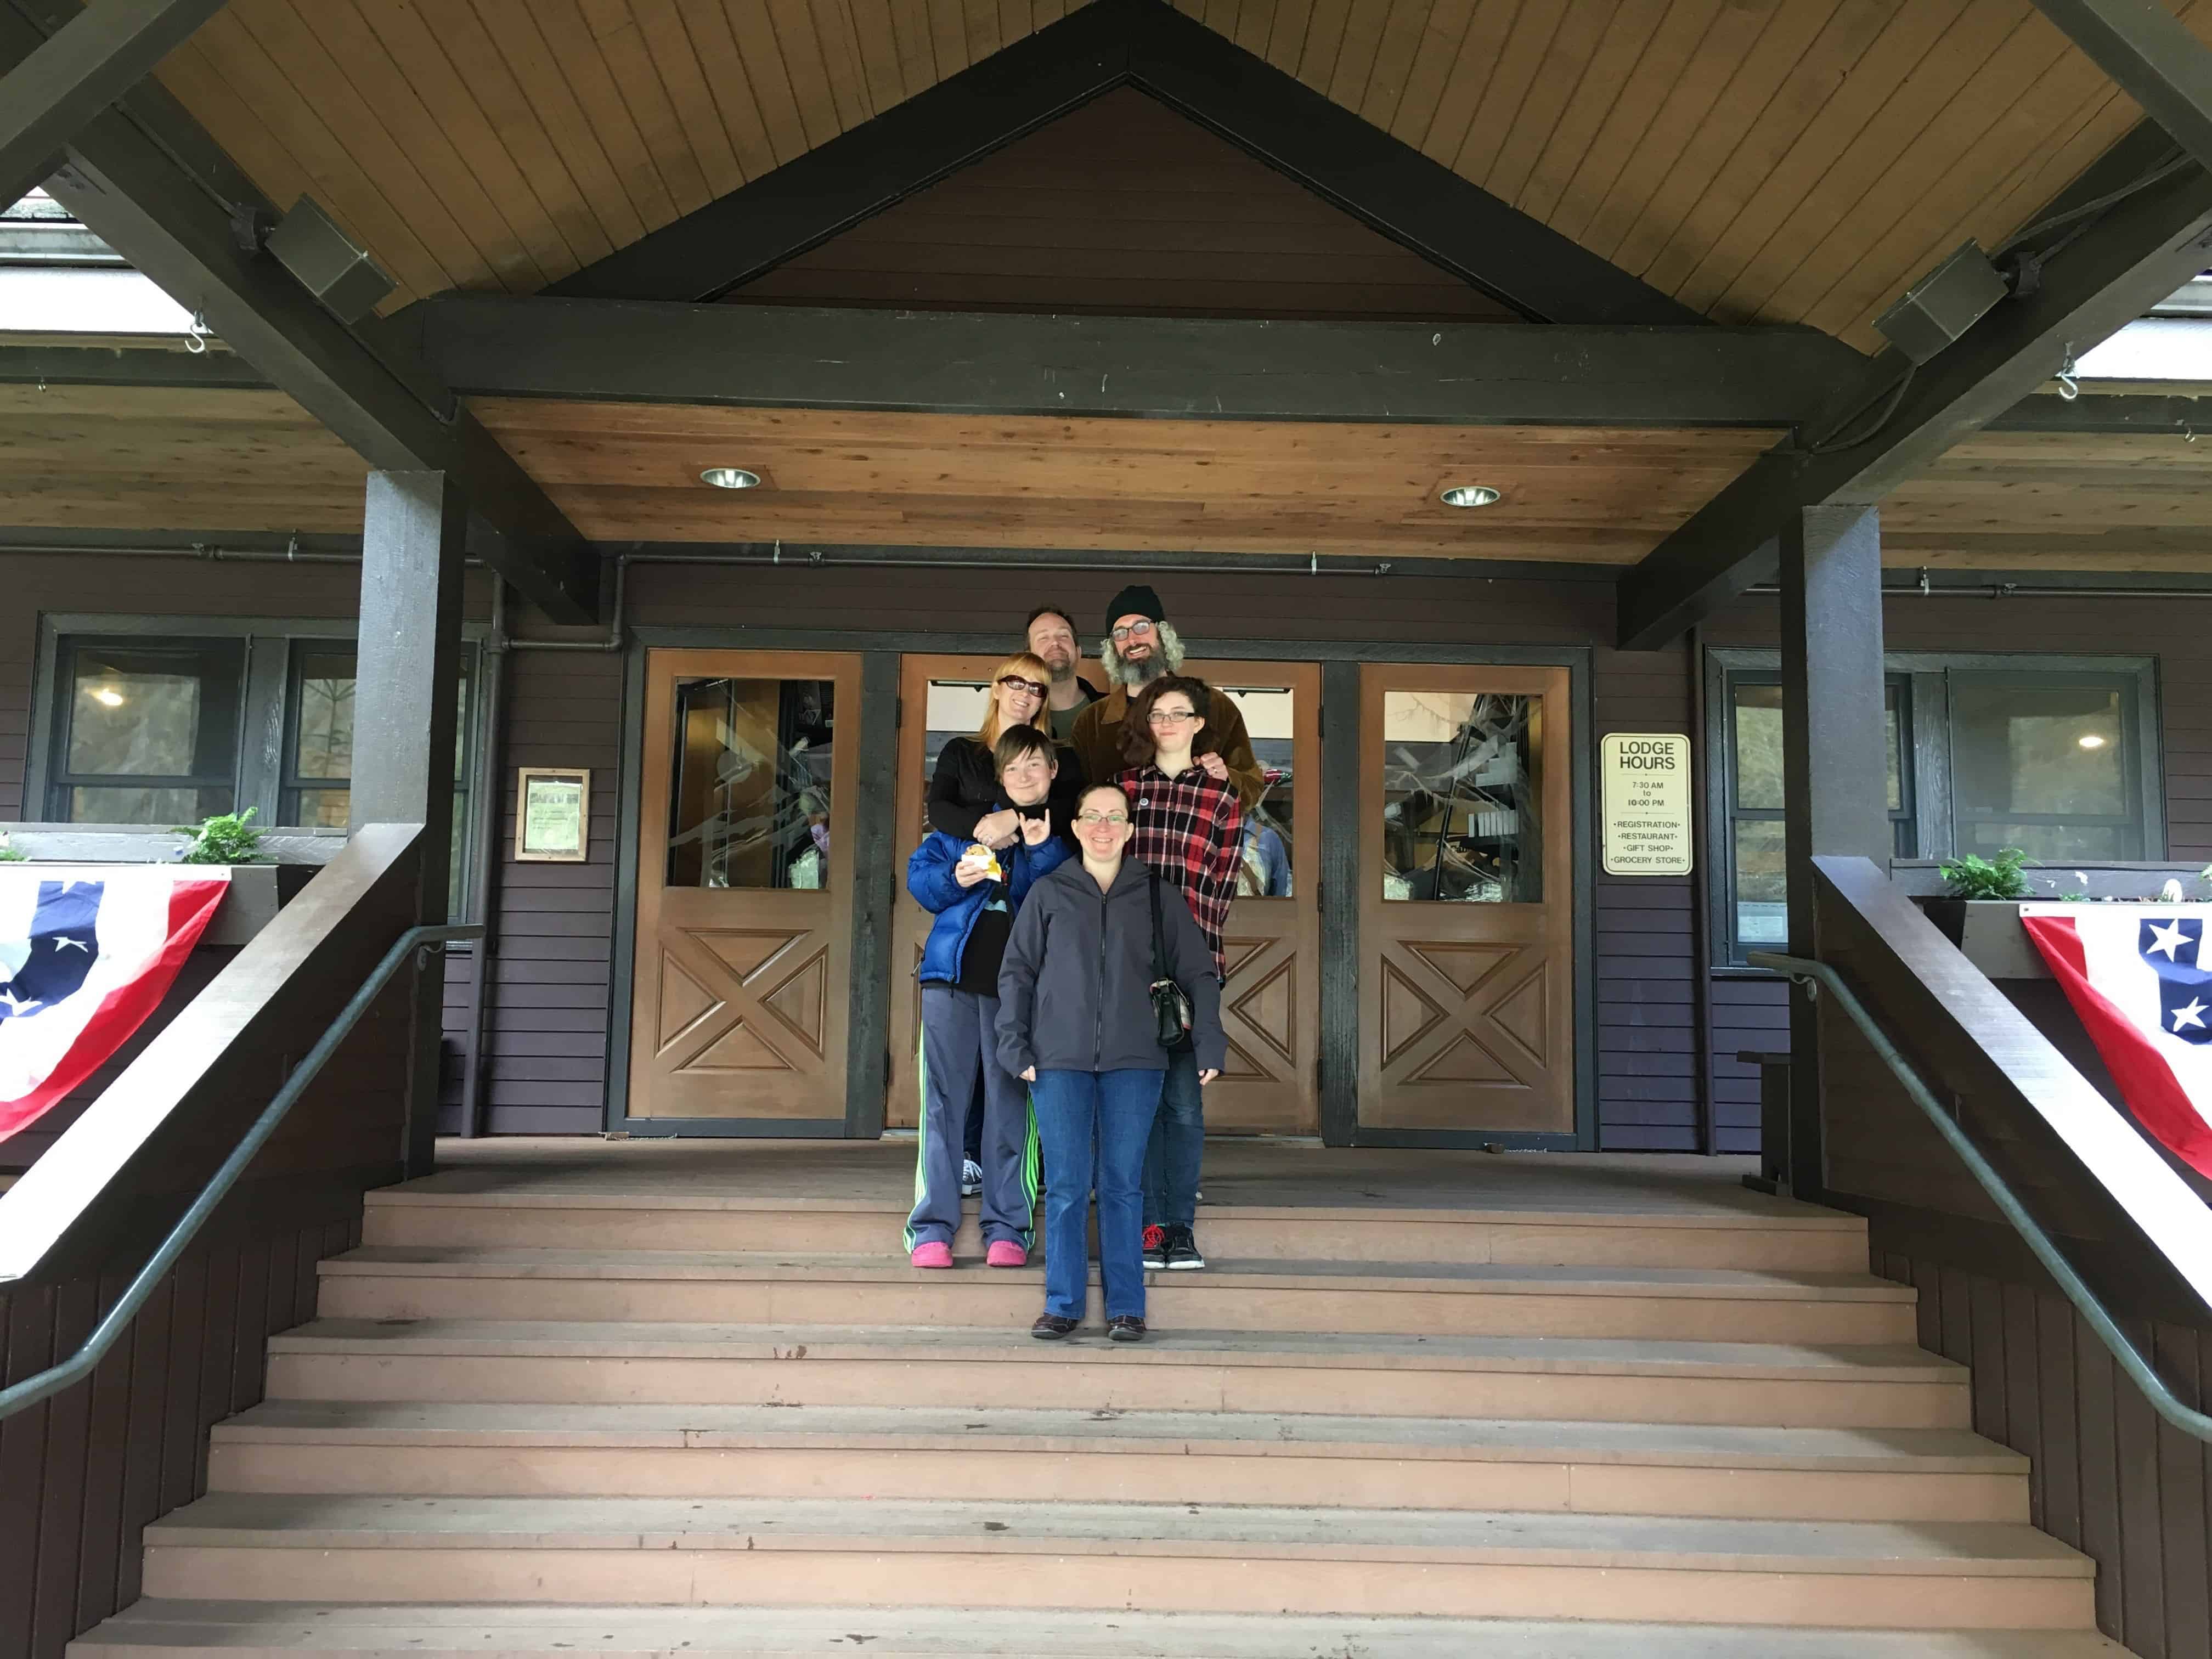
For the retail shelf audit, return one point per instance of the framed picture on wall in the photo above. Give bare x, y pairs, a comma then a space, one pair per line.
552, 814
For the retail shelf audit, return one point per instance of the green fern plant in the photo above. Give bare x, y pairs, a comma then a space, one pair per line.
226, 838
1972, 877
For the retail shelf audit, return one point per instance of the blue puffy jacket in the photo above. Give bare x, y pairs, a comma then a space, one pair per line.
929, 878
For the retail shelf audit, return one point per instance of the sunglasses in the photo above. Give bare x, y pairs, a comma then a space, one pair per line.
1030, 686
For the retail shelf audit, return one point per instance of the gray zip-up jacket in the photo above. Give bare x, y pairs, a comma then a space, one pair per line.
1075, 985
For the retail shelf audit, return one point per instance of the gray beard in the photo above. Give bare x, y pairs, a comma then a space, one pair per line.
1135, 674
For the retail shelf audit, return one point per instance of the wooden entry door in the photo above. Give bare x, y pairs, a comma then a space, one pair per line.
1270, 1003
1465, 907
745, 886
940, 698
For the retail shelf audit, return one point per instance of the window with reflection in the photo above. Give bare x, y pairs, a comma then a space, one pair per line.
2044, 764
749, 789
148, 730
1761, 890
1462, 797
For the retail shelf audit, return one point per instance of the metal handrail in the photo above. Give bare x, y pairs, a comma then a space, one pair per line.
42, 1384
1815, 975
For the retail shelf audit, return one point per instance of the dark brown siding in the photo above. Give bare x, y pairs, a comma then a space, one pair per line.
1124, 207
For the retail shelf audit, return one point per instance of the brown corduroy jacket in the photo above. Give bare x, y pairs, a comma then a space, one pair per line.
1096, 740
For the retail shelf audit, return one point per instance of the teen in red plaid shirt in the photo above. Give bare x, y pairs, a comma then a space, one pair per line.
1189, 824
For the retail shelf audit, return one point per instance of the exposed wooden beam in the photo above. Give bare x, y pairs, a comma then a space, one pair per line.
935, 362
2151, 56
124, 177
93, 60
2142, 248
1454, 223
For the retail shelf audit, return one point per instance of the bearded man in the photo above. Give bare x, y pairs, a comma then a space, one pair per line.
1140, 646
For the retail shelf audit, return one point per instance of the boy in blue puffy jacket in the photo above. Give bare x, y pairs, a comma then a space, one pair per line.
975, 890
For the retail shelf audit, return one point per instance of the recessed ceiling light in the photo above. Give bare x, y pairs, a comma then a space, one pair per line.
2091, 740
730, 477
108, 695
1468, 496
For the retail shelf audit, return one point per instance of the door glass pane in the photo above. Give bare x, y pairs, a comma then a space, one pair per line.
1462, 797
1762, 897
1268, 870
954, 709
750, 797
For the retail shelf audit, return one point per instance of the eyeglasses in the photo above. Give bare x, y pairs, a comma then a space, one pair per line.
1171, 716
1138, 630
1092, 820
1019, 682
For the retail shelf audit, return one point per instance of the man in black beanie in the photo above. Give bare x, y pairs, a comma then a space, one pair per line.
1141, 645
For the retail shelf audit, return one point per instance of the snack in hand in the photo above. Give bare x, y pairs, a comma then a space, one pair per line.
977, 854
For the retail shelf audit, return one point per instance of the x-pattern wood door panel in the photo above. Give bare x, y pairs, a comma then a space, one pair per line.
738, 1010
1467, 1008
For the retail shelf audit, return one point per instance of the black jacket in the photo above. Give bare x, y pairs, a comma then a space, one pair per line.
1075, 987
965, 787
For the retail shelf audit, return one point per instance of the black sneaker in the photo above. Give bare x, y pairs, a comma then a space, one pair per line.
1182, 1249
1156, 1247
1124, 1328
1050, 1327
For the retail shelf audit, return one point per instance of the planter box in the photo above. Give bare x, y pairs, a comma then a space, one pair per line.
1988, 932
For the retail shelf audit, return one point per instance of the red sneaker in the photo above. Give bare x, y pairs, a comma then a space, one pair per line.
1156, 1247
1005, 1253
932, 1255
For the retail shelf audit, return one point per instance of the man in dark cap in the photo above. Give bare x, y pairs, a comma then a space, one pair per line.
1140, 646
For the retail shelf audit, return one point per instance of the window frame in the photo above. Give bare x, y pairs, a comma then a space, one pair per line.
64, 780
272, 644
1926, 743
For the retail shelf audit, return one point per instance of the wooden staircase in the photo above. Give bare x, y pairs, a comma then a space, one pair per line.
538, 1422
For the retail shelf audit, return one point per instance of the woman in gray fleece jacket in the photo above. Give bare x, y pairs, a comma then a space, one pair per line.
1075, 1022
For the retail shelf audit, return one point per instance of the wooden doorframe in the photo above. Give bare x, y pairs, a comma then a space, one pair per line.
1341, 661
865, 909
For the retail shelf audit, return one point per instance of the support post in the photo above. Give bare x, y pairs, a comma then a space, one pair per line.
1834, 756
406, 711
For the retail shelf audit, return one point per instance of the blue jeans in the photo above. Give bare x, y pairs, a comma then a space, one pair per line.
1094, 1126
1178, 1146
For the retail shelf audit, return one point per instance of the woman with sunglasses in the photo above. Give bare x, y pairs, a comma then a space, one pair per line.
963, 791
1077, 1022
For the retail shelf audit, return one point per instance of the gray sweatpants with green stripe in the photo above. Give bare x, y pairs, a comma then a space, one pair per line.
959, 1036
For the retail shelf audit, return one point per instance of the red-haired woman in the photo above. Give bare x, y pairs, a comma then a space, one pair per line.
1188, 826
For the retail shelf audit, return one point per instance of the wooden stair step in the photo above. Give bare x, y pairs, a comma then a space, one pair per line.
1784, 1384
1013, 1453
160, 1629
1160, 1557
1781, 1235
449, 1282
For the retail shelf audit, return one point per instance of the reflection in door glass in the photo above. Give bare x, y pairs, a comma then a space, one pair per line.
1267, 870
749, 800
1462, 797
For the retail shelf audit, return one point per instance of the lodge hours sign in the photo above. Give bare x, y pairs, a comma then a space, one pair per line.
1646, 803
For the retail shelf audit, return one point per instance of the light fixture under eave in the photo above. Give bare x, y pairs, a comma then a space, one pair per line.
2091, 740
109, 696
730, 477
1468, 496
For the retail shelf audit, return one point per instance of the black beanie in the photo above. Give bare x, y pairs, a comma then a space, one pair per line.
1135, 600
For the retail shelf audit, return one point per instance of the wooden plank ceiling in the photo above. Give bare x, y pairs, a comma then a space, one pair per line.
150, 458
1779, 161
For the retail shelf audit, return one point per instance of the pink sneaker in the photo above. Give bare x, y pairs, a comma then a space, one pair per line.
931, 1254
1007, 1254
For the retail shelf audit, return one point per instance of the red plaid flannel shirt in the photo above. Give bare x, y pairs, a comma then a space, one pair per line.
1189, 828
